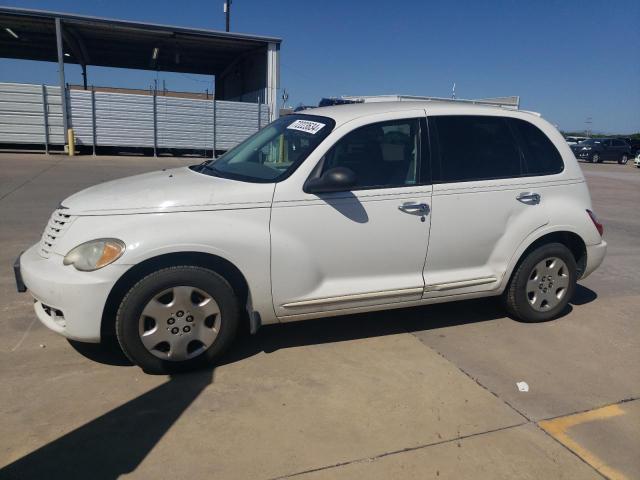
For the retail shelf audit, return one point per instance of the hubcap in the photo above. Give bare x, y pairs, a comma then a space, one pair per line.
547, 284
179, 323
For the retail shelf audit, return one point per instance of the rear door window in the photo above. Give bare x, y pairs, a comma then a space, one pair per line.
473, 147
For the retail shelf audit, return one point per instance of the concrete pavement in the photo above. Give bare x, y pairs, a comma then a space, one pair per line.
415, 393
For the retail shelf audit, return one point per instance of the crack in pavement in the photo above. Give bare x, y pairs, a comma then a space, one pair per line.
395, 452
527, 421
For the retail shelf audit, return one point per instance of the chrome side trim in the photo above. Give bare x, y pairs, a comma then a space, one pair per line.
355, 297
438, 287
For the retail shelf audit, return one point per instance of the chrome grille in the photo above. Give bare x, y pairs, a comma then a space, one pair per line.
58, 224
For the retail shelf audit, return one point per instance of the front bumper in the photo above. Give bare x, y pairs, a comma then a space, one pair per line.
595, 256
18, 274
67, 301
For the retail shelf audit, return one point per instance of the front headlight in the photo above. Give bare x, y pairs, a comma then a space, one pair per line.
95, 254
586, 148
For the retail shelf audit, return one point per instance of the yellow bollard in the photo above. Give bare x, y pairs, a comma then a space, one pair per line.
71, 140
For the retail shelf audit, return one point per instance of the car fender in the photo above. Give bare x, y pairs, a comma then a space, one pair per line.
239, 236
530, 240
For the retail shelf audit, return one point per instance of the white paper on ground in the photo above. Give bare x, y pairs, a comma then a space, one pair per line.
523, 386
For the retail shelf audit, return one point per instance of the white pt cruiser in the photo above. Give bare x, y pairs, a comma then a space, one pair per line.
339, 210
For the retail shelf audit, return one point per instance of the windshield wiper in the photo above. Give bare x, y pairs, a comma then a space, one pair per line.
206, 166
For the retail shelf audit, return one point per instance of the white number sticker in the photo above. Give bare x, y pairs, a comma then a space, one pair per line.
306, 126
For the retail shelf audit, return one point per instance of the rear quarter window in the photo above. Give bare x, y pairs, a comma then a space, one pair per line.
540, 154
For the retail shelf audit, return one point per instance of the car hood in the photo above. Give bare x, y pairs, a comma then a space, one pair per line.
174, 190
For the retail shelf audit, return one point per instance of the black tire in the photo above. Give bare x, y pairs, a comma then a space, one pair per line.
515, 295
623, 159
133, 303
595, 158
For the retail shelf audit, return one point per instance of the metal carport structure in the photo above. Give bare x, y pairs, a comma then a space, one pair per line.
246, 67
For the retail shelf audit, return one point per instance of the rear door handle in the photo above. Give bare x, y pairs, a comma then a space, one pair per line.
529, 198
415, 208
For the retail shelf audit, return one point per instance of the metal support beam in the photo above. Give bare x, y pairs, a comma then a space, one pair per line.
273, 79
259, 111
155, 121
76, 44
215, 123
84, 76
63, 87
94, 132
45, 119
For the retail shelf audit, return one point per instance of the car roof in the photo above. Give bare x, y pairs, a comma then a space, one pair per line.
345, 113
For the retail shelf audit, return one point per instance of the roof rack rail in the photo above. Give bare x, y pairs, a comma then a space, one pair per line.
509, 102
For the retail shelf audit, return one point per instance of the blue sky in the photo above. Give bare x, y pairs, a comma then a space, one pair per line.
567, 59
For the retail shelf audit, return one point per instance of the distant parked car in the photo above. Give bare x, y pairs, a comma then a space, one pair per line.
331, 101
300, 108
597, 150
635, 146
575, 140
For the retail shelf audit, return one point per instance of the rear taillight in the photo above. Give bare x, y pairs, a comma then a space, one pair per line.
596, 222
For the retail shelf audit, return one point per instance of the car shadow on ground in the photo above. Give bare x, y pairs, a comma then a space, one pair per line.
118, 441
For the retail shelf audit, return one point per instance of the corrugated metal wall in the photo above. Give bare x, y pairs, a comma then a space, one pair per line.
184, 123
235, 121
30, 114
126, 120
120, 119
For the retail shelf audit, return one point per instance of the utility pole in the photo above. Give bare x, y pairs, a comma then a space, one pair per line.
227, 12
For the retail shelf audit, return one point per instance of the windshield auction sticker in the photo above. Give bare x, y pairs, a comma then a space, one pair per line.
306, 126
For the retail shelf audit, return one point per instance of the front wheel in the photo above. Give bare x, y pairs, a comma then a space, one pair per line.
177, 318
542, 285
623, 159
595, 158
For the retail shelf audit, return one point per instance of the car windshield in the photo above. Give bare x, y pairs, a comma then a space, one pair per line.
274, 152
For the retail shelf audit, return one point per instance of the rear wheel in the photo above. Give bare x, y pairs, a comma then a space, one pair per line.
177, 319
542, 285
623, 159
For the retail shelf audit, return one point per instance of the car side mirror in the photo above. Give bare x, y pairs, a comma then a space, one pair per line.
337, 179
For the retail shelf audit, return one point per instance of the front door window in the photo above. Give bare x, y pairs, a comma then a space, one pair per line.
382, 155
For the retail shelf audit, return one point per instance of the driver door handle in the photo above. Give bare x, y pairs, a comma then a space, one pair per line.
529, 198
414, 208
